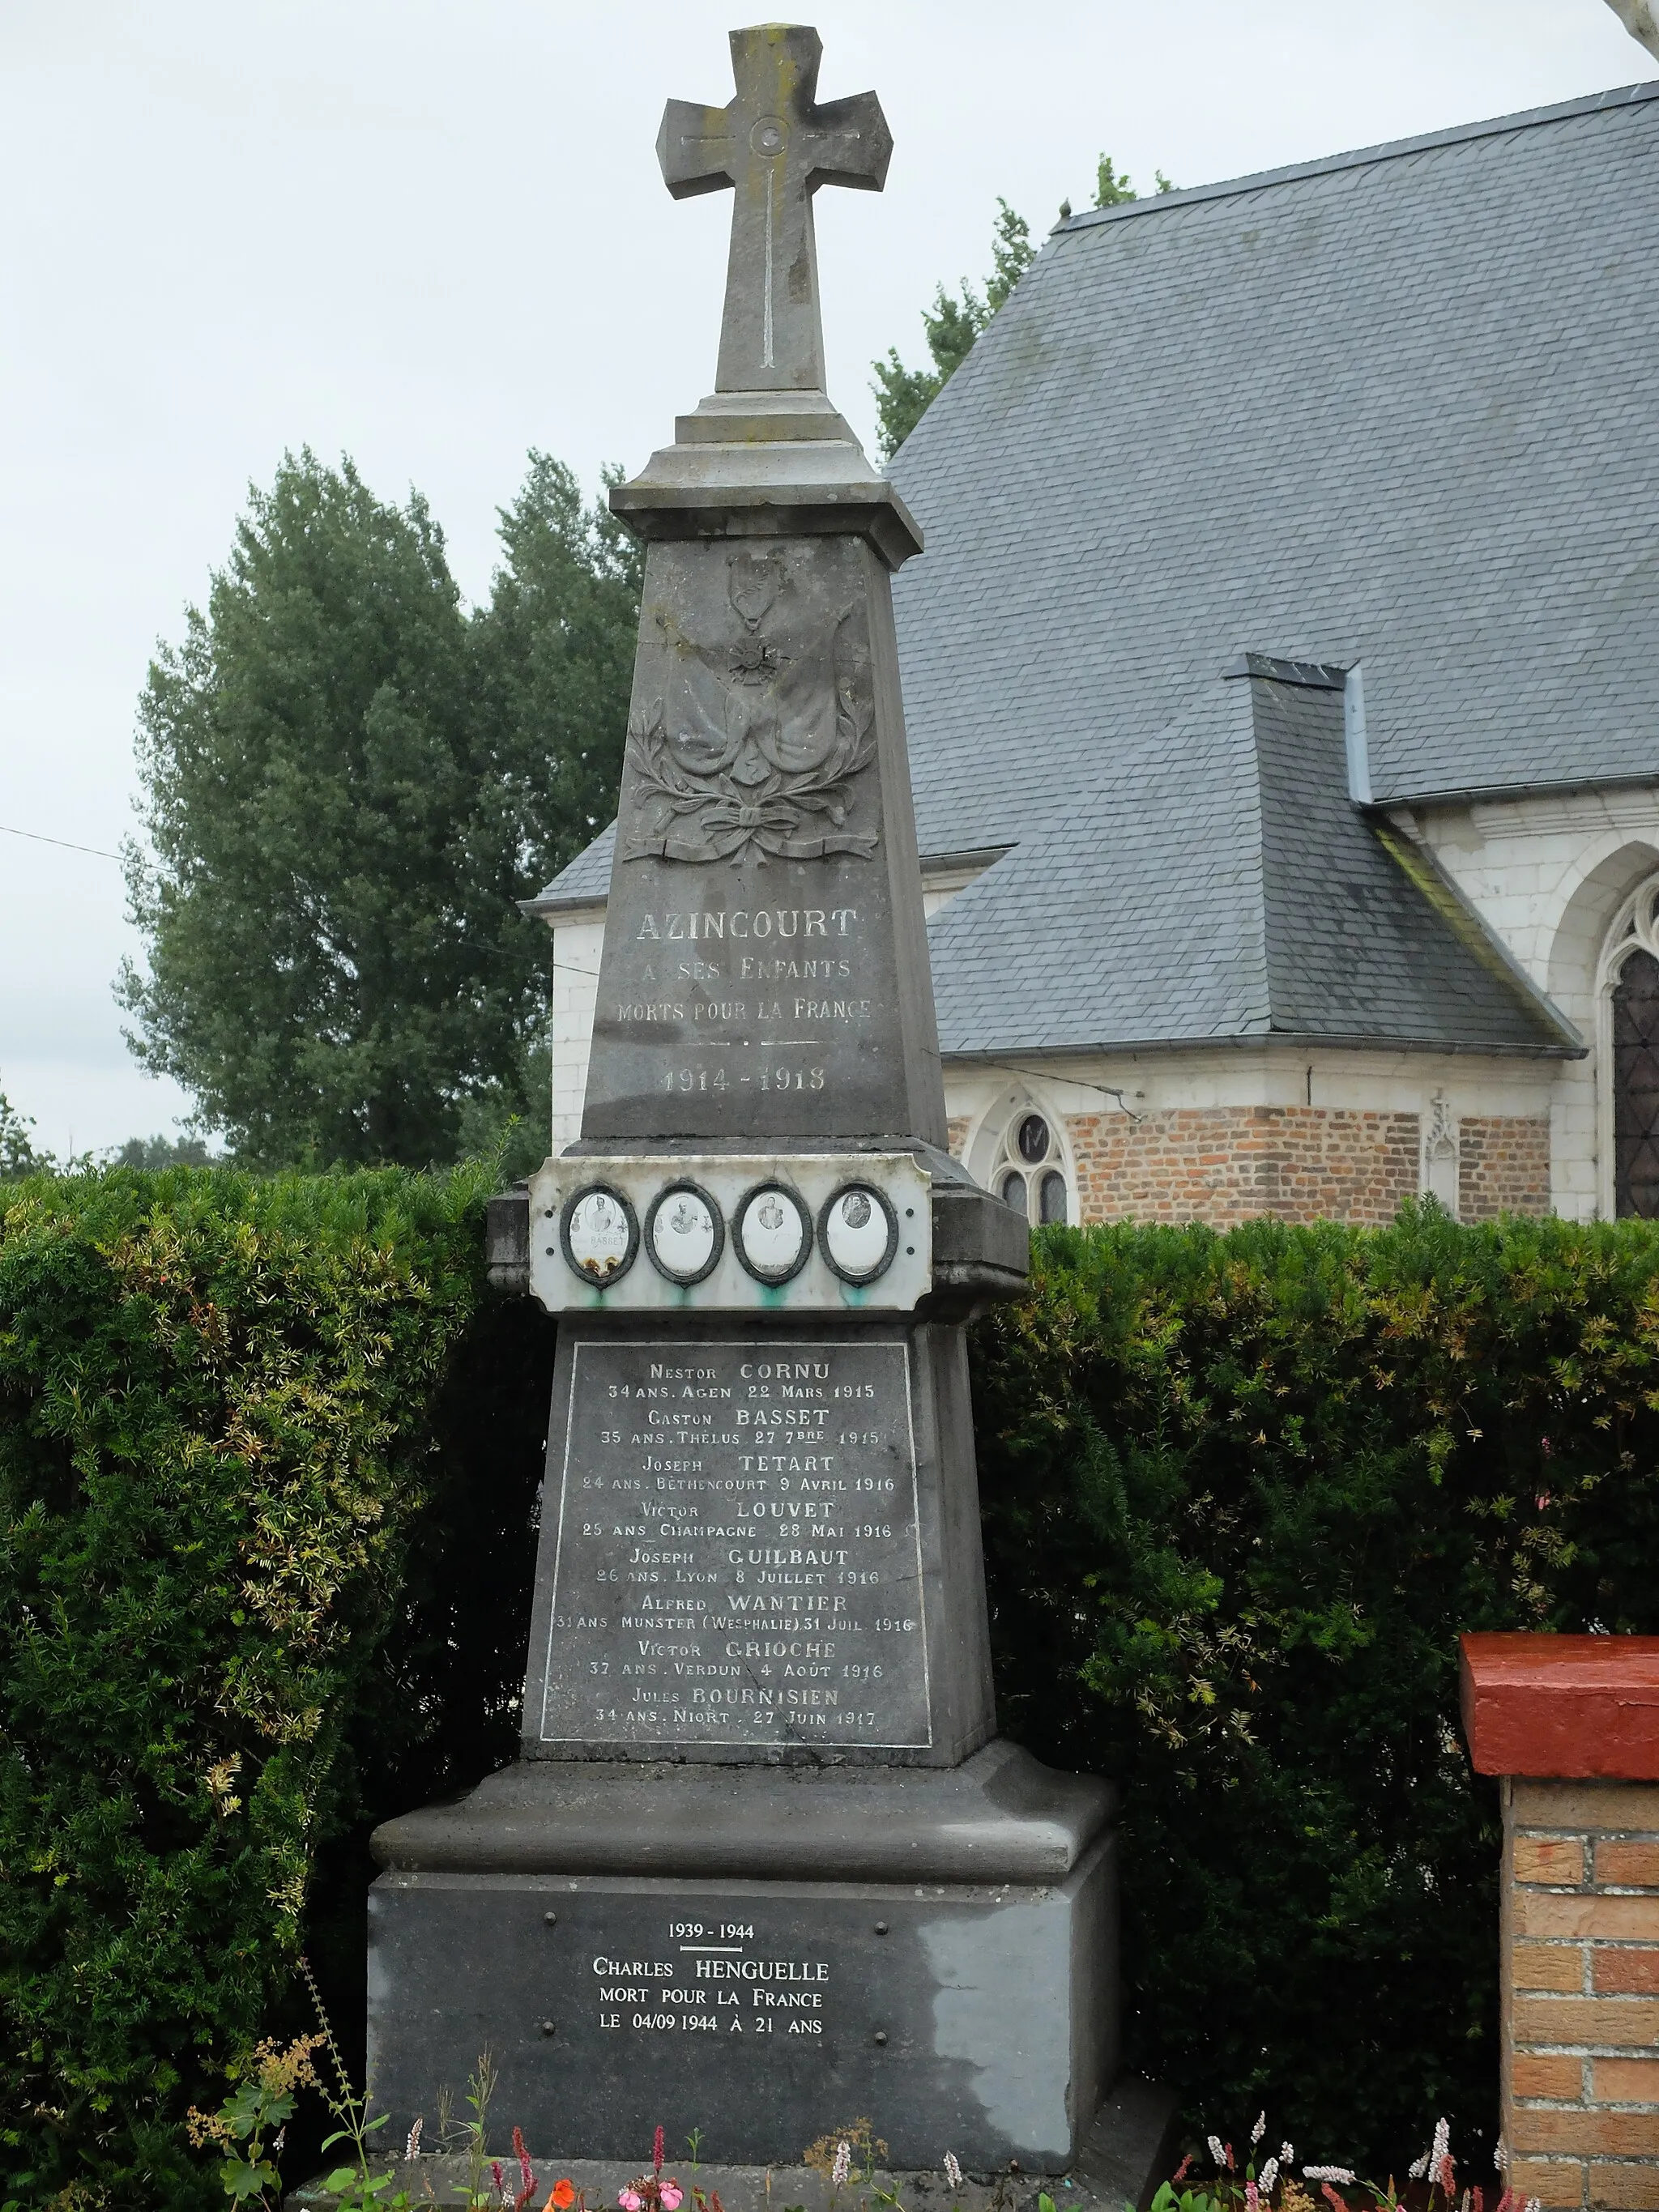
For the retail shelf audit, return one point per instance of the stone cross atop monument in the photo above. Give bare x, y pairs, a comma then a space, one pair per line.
773, 145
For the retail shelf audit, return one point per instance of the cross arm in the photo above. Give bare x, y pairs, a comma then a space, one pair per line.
695, 148
851, 143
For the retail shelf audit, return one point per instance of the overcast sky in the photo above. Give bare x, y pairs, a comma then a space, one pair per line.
431, 234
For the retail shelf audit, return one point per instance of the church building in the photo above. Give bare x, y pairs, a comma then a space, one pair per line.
1282, 687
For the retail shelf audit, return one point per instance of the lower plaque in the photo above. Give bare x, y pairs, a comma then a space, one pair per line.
736, 1557
761, 2013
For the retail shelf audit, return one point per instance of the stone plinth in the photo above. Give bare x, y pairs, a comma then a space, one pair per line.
1568, 1722
760, 1952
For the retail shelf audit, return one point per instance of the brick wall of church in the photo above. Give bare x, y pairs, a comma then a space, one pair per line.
1225, 1164
1502, 1165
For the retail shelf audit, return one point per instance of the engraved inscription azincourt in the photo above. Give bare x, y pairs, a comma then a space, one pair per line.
738, 1551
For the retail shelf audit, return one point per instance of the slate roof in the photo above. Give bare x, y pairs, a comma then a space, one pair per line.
1394, 407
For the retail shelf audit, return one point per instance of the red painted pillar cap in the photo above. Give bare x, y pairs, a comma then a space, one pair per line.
1567, 1707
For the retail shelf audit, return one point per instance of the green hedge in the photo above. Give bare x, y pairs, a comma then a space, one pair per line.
221, 1402
1242, 1492
268, 1462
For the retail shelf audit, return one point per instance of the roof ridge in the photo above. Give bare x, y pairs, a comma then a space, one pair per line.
1628, 95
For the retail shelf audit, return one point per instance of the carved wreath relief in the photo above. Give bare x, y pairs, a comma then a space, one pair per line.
760, 735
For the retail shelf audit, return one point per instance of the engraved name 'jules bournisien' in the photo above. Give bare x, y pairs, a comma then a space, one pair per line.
756, 748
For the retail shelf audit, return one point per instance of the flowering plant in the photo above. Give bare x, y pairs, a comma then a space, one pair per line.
651, 2193
1276, 2186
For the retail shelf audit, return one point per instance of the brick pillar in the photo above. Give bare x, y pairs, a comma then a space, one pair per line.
1571, 1725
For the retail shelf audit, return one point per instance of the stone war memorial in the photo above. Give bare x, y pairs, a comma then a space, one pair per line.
765, 1864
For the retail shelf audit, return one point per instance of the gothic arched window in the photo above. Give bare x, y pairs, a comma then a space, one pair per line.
1636, 1086
1030, 1172
1630, 1056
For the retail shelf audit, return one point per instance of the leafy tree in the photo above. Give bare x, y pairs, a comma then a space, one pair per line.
347, 785
904, 395
154, 1152
18, 1157
553, 659
1112, 189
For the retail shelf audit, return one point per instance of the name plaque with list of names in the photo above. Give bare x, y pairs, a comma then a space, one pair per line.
738, 1553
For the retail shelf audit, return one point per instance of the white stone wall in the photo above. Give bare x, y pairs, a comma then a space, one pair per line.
577, 941
1548, 875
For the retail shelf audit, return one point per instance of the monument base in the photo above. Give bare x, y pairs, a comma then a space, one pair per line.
764, 1954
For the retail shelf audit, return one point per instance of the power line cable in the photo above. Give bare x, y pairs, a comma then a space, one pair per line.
35, 837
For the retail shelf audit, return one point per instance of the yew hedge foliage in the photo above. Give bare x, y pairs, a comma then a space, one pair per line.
1242, 1492
220, 1406
268, 1459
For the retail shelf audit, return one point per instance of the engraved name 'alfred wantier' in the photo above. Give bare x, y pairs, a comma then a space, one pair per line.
738, 1553
761, 731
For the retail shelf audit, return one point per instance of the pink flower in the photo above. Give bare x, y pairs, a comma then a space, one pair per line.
656, 2154
629, 2200
672, 2197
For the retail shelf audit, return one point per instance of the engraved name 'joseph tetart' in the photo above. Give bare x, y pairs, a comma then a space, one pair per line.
738, 1558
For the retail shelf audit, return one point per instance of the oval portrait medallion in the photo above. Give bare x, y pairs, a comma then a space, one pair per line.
684, 1233
774, 1233
858, 1230
598, 1233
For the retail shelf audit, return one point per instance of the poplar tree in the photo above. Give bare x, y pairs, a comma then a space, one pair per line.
347, 786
